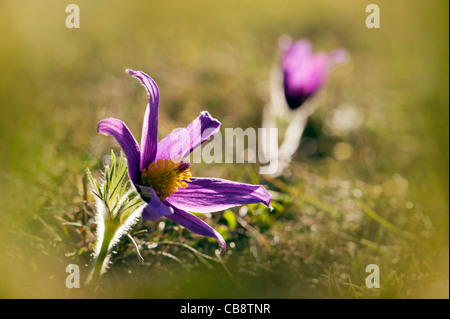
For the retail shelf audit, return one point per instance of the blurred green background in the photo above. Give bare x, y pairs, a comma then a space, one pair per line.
368, 186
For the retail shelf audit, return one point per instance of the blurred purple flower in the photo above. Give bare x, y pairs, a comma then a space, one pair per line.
163, 180
305, 72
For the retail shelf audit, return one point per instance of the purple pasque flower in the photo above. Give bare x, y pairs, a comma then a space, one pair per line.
305, 72
164, 181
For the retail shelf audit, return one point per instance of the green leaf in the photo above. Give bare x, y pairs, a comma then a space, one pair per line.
230, 218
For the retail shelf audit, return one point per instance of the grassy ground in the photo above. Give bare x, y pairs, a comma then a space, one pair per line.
383, 200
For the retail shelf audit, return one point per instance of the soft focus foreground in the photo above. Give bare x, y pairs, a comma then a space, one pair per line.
369, 185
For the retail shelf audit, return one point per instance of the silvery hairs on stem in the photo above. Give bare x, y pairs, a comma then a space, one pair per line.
118, 208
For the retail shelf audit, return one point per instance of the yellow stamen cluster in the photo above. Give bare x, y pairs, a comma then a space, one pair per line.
165, 176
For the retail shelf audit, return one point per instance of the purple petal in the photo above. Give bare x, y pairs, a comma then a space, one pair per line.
181, 143
207, 195
338, 56
149, 138
196, 225
305, 72
118, 129
296, 55
316, 71
155, 207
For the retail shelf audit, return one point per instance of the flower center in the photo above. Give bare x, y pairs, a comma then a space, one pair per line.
165, 176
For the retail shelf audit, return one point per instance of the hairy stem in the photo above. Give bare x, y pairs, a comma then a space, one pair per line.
102, 257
